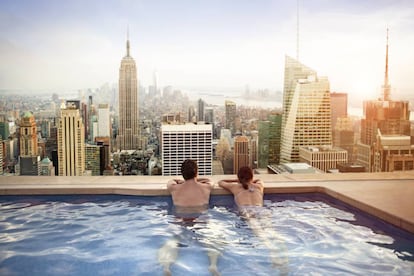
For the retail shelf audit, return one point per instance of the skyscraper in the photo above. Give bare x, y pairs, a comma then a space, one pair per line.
241, 153
180, 142
128, 133
390, 117
230, 116
29, 159
306, 111
200, 110
28, 135
71, 143
384, 117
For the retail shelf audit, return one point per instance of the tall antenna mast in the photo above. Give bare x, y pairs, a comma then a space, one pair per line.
386, 87
297, 30
127, 40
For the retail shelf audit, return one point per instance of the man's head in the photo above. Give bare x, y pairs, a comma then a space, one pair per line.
189, 169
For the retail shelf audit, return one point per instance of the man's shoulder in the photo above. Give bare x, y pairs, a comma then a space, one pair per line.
205, 182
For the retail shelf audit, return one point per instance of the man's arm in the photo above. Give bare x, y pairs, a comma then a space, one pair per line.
173, 182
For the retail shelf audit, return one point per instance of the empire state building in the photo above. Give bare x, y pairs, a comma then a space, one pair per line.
128, 133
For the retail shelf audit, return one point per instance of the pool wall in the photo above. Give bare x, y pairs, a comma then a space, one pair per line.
388, 196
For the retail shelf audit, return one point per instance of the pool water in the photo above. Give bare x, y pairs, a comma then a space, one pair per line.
308, 234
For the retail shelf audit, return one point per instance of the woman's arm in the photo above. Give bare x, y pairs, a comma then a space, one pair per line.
228, 184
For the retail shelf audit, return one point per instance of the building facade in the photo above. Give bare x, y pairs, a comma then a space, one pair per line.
71, 143
186, 141
344, 137
29, 158
254, 139
4, 127
241, 153
339, 107
269, 140
28, 135
46, 167
393, 153
128, 131
275, 133
388, 116
104, 121
263, 144
1, 155
92, 159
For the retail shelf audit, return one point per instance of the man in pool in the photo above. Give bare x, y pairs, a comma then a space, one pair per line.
192, 191
191, 197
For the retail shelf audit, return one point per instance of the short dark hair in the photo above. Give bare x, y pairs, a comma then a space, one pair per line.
189, 169
245, 175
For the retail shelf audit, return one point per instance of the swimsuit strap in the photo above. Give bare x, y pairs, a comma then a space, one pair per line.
250, 190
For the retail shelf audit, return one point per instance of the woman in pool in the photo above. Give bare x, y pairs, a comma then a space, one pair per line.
246, 191
248, 195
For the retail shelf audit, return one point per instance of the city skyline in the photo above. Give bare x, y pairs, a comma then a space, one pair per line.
75, 44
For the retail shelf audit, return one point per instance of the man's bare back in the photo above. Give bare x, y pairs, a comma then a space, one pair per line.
190, 193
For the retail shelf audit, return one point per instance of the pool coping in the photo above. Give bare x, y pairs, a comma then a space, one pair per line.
388, 196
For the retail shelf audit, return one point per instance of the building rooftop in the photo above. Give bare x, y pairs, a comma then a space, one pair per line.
299, 168
388, 196
395, 140
322, 148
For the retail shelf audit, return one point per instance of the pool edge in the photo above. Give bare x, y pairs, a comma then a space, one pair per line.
387, 196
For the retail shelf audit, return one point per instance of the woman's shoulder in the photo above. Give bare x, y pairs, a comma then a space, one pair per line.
258, 184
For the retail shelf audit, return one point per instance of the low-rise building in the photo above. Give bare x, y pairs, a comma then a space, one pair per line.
323, 157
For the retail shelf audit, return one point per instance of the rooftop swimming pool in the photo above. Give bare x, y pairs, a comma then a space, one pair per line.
302, 234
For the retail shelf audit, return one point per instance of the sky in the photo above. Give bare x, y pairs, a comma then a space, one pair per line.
71, 45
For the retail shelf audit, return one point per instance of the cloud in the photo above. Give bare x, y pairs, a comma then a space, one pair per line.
204, 43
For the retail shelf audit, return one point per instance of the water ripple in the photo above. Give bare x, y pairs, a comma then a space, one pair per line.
122, 237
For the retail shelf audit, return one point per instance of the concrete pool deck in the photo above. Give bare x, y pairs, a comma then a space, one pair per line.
388, 196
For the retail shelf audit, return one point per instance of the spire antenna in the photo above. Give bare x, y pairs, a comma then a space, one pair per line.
127, 41
386, 87
297, 30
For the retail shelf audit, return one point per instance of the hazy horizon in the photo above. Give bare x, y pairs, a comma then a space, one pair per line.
69, 45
